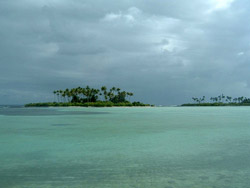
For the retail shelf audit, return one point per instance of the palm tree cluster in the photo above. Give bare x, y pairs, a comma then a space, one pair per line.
222, 99
199, 100
87, 94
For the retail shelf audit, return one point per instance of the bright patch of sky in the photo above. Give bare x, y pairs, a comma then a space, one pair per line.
220, 5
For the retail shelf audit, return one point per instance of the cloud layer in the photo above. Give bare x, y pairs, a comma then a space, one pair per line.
165, 52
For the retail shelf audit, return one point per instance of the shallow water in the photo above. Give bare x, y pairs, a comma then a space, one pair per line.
167, 147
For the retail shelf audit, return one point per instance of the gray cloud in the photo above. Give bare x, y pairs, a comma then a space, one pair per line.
165, 52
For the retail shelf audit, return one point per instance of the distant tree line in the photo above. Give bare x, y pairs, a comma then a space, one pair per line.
88, 94
222, 99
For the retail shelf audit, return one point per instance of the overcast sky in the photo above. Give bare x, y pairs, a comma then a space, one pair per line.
164, 51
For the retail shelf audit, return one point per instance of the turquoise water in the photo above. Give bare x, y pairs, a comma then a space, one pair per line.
167, 147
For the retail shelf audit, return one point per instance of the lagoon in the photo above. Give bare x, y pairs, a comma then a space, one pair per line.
160, 147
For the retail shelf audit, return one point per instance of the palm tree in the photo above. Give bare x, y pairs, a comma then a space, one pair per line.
110, 95
130, 95
88, 92
84, 93
229, 99
194, 99
54, 92
60, 92
63, 96
203, 99
118, 90
113, 90
95, 94
212, 99
57, 93
223, 97
235, 100
216, 99
104, 90
68, 94
239, 99
219, 98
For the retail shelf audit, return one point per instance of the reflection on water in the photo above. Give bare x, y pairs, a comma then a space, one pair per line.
125, 147
41, 112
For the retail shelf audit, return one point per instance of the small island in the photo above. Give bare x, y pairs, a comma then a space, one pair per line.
90, 97
221, 100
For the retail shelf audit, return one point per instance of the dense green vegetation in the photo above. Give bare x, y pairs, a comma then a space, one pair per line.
221, 100
90, 97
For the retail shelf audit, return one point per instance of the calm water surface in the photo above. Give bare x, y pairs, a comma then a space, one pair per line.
168, 147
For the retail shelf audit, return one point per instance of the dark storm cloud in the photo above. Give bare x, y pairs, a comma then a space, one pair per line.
164, 51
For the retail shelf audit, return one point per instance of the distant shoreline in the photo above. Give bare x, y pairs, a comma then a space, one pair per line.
89, 104
215, 104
